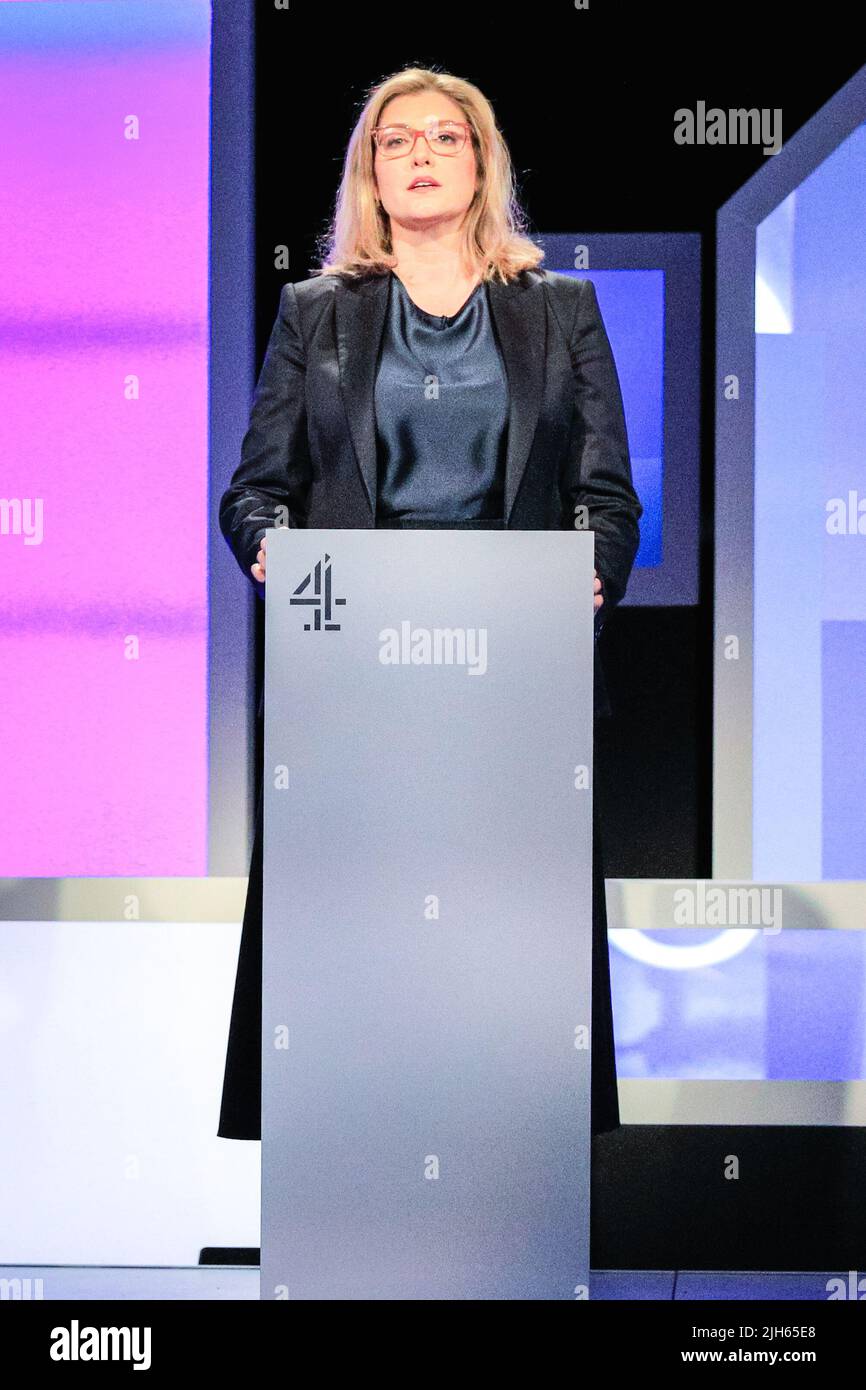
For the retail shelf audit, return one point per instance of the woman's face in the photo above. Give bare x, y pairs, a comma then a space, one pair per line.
454, 175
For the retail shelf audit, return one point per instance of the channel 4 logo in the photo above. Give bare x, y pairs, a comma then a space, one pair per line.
320, 597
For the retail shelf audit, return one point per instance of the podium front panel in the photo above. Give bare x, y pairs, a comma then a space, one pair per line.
427, 914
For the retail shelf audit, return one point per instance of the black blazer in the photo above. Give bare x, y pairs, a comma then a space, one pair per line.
311, 442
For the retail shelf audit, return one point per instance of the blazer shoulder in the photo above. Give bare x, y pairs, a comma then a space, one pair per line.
569, 296
314, 289
568, 288
305, 302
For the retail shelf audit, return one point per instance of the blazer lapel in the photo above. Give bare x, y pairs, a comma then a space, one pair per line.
517, 309
520, 321
360, 319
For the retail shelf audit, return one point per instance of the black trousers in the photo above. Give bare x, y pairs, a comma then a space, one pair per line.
240, 1112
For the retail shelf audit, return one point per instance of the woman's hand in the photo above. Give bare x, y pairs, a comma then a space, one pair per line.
598, 599
258, 569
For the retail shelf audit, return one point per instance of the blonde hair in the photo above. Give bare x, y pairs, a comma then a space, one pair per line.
493, 234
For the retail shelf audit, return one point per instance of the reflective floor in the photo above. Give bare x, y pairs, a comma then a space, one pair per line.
242, 1282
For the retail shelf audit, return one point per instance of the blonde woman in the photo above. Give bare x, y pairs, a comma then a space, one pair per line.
428, 271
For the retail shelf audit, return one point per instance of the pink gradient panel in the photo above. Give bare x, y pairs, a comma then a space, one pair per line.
103, 451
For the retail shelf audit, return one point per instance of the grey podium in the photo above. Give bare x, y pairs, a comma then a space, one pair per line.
427, 914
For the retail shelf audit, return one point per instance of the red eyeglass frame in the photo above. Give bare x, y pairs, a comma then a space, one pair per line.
397, 125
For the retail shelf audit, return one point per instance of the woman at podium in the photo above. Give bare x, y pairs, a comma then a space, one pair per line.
429, 290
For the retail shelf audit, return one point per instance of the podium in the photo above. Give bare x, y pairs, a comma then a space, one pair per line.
427, 918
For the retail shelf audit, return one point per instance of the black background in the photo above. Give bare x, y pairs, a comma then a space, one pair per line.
586, 102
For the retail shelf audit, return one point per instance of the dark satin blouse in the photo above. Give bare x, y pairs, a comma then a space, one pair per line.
441, 403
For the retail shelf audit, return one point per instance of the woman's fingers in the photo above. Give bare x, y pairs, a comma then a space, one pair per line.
258, 569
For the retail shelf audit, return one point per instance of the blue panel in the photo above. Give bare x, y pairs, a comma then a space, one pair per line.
789, 1007
104, 24
844, 750
632, 304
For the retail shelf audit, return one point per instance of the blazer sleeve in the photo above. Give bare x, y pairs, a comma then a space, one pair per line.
275, 467
597, 470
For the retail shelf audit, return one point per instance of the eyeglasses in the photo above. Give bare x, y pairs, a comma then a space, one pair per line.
443, 137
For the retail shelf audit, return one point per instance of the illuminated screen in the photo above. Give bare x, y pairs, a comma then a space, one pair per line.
648, 290
727, 1006
810, 527
790, 660
104, 118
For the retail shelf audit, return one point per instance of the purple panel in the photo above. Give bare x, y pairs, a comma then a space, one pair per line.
103, 437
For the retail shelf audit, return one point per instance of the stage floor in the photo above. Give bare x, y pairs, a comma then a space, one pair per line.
242, 1282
